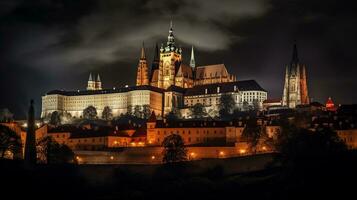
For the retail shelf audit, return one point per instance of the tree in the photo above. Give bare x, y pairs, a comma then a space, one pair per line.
174, 149
256, 106
137, 111
107, 113
9, 141
198, 111
146, 111
245, 106
51, 152
90, 112
252, 134
174, 114
129, 110
6, 115
66, 118
226, 106
55, 118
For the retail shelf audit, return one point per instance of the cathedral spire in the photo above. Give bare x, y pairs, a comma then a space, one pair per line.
90, 77
295, 58
142, 56
192, 61
98, 78
171, 38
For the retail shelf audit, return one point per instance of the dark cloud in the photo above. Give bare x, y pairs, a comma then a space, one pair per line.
50, 44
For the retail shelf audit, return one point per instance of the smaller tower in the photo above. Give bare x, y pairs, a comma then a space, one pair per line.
91, 83
98, 83
142, 77
192, 61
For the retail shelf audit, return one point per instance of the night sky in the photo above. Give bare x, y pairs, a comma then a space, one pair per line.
54, 44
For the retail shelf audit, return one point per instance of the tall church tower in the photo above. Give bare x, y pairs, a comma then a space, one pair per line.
91, 83
98, 83
170, 60
192, 61
295, 87
142, 77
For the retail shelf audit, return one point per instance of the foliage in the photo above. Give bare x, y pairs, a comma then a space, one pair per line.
107, 113
55, 119
174, 149
252, 133
9, 141
137, 111
198, 111
90, 112
226, 106
51, 152
6, 115
174, 114
295, 143
146, 111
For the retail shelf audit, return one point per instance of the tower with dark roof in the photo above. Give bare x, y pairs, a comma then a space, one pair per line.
170, 60
295, 87
192, 60
91, 83
142, 77
98, 83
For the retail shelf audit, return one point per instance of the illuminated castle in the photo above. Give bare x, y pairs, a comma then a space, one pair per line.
168, 84
168, 69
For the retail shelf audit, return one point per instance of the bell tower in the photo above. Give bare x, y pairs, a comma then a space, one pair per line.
91, 83
142, 77
170, 60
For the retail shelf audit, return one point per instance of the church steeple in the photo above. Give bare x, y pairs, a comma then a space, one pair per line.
91, 85
142, 77
142, 55
192, 61
98, 83
171, 38
295, 58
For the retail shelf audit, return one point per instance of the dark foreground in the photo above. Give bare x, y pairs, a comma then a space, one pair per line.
332, 177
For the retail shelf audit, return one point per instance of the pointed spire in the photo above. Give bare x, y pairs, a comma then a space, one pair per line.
295, 58
171, 38
90, 77
192, 61
142, 56
98, 78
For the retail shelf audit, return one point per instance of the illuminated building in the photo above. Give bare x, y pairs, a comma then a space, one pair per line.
295, 87
170, 84
330, 106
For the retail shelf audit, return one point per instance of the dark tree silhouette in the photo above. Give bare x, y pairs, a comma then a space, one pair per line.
198, 111
55, 119
9, 141
30, 145
137, 111
146, 111
90, 112
252, 134
51, 152
107, 113
174, 149
174, 114
226, 106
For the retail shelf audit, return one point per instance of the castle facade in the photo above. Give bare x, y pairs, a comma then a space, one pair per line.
168, 84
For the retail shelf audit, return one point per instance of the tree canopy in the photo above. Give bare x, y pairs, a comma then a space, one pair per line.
10, 142
226, 105
198, 111
174, 149
51, 152
90, 112
107, 113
